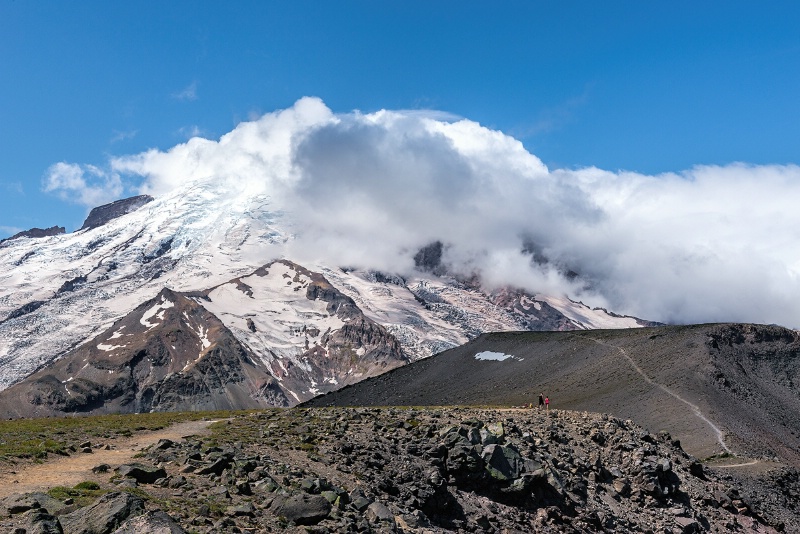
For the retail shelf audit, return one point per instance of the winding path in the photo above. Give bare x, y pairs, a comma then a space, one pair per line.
70, 470
695, 409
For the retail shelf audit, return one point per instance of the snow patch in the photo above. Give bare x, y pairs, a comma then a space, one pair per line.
117, 334
158, 311
109, 348
495, 356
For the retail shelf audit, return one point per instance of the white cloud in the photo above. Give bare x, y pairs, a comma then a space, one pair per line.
86, 185
187, 93
187, 132
708, 244
123, 135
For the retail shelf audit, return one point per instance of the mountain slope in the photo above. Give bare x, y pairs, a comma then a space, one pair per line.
715, 387
174, 353
57, 292
168, 354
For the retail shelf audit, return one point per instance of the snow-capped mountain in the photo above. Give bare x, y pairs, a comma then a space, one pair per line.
216, 245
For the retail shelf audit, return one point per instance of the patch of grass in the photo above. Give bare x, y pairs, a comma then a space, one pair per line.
35, 438
87, 485
84, 493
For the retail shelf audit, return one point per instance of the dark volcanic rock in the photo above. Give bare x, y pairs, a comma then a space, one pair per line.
156, 522
40, 522
104, 516
302, 508
107, 212
35, 233
429, 258
141, 473
433, 470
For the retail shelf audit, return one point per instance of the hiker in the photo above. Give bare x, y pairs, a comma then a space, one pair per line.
541, 400
547, 403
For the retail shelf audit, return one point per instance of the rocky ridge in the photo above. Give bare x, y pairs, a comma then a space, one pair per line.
413, 470
36, 233
107, 212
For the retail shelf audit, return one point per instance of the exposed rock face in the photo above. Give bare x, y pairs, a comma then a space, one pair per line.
429, 258
36, 233
168, 354
312, 337
107, 212
174, 353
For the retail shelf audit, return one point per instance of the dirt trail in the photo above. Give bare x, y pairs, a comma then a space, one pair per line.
70, 470
695, 409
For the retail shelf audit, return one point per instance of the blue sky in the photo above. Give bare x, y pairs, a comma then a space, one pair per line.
650, 87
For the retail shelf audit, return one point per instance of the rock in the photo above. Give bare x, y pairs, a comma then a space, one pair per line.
141, 473
243, 488
104, 516
687, 525
359, 501
38, 521
502, 463
301, 508
621, 486
37, 233
107, 212
379, 512
155, 522
245, 509
19, 503
215, 468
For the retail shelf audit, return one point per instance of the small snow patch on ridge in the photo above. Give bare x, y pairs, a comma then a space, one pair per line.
496, 356
160, 307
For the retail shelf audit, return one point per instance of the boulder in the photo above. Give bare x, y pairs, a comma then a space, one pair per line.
378, 512
141, 473
104, 516
38, 521
301, 508
22, 502
502, 463
156, 522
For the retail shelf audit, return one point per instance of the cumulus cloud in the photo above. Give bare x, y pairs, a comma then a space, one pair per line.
712, 243
86, 185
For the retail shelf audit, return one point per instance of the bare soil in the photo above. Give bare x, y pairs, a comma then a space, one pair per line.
70, 470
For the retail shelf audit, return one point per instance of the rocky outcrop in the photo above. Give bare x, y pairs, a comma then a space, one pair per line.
437, 470
107, 212
169, 354
35, 233
325, 340
104, 516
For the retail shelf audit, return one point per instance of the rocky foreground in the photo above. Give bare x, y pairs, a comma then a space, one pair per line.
409, 470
